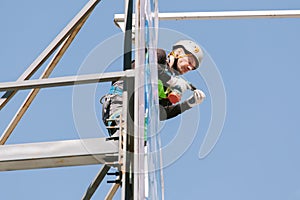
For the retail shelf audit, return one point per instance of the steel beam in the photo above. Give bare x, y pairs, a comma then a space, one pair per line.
119, 18
58, 154
230, 15
65, 81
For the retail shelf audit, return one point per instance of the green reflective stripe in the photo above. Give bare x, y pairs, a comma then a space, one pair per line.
161, 91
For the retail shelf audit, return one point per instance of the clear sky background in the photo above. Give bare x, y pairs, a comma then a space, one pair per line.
257, 155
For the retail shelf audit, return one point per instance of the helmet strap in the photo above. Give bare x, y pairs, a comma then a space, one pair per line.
176, 57
175, 67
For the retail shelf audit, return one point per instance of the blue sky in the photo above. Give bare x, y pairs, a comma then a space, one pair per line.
257, 155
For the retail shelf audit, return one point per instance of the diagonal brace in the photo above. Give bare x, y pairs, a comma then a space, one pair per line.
60, 38
96, 182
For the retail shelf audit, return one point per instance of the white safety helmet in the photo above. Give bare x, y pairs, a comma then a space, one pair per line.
190, 47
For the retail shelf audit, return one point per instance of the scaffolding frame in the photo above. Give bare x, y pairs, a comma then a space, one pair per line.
110, 153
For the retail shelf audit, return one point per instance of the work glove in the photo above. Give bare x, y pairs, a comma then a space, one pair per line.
196, 98
178, 84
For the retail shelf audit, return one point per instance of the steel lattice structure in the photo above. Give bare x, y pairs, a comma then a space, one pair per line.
111, 152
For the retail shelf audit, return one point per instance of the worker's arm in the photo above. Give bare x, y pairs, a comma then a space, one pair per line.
168, 112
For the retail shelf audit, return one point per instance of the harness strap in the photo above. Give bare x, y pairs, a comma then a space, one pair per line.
115, 90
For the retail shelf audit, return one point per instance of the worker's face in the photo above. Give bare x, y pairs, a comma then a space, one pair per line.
186, 64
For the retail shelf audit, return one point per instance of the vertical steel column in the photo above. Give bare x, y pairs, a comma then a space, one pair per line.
139, 107
128, 35
128, 85
128, 116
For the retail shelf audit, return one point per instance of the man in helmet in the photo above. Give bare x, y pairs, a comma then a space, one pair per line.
185, 56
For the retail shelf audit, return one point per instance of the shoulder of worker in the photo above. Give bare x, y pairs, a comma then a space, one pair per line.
161, 56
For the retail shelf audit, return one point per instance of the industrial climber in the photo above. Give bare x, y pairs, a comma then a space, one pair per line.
185, 56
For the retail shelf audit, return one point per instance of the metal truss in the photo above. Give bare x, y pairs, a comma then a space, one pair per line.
109, 153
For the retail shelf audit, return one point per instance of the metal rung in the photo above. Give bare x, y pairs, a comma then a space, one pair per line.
112, 119
118, 181
117, 173
113, 138
108, 127
114, 164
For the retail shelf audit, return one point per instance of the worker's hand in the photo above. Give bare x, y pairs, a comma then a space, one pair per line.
196, 98
179, 84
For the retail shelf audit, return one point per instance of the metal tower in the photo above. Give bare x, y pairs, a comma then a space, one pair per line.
110, 152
